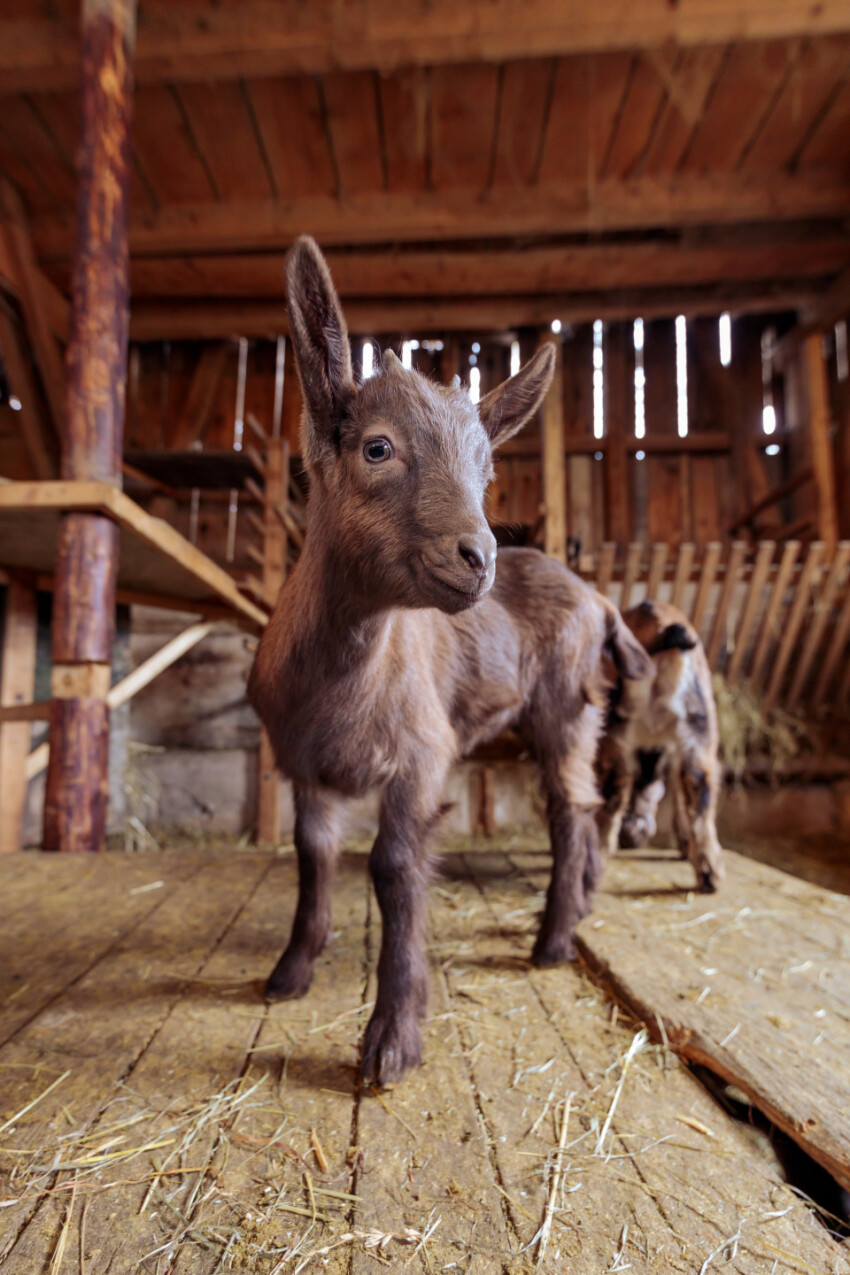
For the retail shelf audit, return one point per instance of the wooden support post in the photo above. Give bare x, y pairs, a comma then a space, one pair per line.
823, 460
657, 564
706, 581
634, 557
274, 574
554, 467
835, 582
17, 677
87, 550
737, 554
605, 569
684, 565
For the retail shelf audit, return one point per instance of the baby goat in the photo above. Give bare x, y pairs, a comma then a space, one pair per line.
398, 645
659, 730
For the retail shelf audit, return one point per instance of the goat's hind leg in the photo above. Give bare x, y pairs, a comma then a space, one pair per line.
319, 823
572, 802
698, 785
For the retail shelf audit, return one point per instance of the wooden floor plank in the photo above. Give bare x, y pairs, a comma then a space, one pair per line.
106, 1020
753, 984
701, 1207
77, 924
169, 1029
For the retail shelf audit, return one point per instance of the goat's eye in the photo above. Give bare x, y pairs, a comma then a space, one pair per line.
377, 449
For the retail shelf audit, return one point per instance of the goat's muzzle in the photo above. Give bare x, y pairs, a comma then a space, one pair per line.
458, 571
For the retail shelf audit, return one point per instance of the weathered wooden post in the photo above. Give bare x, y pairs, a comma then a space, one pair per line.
554, 463
87, 549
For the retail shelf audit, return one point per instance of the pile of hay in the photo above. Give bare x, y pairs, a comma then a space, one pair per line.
748, 732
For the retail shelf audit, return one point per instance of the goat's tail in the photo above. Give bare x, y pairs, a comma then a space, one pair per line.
629, 657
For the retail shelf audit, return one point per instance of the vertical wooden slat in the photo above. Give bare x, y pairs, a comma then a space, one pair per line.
657, 563
823, 610
706, 580
791, 630
823, 458
87, 547
605, 569
684, 565
17, 677
771, 615
733, 570
634, 555
619, 402
761, 571
834, 653
554, 466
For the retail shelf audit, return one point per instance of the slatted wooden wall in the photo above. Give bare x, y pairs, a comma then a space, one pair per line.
773, 617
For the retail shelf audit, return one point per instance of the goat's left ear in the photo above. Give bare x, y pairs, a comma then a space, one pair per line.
506, 408
320, 339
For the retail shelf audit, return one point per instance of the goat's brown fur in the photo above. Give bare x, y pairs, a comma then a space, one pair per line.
396, 647
664, 730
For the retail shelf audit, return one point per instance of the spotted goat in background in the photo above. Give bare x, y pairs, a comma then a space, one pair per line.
663, 730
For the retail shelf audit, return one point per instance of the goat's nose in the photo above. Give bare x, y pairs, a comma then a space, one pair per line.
478, 552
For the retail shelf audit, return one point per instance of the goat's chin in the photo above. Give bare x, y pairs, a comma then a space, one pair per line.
437, 591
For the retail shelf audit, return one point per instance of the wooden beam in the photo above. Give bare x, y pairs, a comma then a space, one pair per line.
17, 677
806, 584
816, 251
769, 632
619, 414
39, 440
554, 473
455, 213
213, 41
75, 803
28, 283
835, 582
752, 607
190, 321
819, 420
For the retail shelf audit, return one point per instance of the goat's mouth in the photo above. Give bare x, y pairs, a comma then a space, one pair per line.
450, 595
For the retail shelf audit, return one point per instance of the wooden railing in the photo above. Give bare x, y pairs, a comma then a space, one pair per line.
773, 617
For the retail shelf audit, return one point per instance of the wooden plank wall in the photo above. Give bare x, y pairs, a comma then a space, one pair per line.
774, 618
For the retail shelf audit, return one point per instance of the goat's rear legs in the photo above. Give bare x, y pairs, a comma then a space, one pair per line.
319, 822
696, 805
399, 867
572, 803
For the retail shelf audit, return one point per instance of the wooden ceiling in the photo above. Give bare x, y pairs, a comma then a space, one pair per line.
476, 164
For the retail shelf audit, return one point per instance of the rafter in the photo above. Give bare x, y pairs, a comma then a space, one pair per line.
152, 321
211, 40
383, 217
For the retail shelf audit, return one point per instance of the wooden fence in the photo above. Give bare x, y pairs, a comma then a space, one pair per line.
773, 617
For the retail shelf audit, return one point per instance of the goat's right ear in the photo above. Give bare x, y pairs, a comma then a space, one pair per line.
320, 339
506, 408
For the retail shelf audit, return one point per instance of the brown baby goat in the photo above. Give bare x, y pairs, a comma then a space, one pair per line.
398, 645
664, 730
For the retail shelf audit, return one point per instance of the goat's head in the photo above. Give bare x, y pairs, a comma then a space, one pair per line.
399, 464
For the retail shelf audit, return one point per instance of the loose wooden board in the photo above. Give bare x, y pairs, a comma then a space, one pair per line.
753, 983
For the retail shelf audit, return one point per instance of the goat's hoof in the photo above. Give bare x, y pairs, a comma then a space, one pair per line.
557, 950
391, 1046
290, 979
708, 880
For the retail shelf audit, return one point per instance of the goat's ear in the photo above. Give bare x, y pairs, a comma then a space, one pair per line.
506, 408
320, 339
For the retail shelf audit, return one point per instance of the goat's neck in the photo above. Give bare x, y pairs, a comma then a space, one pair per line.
334, 612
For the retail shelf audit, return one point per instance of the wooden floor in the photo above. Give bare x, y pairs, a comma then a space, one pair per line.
156, 1116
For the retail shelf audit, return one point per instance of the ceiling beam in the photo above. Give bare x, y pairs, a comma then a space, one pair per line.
174, 321
209, 40
439, 272
405, 216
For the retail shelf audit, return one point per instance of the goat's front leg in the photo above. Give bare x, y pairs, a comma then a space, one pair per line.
572, 803
400, 868
319, 823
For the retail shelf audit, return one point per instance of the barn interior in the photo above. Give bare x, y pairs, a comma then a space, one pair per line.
663, 193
